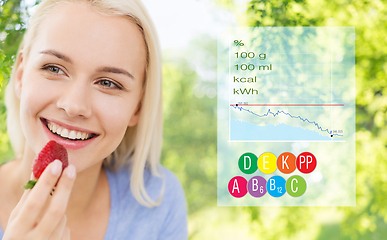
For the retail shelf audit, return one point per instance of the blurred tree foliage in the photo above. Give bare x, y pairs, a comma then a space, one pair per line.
190, 122
12, 27
368, 219
190, 125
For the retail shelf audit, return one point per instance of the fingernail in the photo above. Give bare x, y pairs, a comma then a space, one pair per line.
70, 171
56, 167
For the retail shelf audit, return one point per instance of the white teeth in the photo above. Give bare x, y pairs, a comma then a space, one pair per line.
72, 135
58, 130
83, 136
66, 133
79, 135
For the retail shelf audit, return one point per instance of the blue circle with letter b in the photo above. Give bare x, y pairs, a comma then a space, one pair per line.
276, 186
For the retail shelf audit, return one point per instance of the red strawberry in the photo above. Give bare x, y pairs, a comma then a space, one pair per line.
48, 154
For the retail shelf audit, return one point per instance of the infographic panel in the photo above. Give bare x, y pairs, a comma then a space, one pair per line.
286, 116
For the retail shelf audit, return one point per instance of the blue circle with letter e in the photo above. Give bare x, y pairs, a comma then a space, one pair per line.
276, 186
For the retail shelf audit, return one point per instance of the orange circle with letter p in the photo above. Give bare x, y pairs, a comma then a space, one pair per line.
286, 162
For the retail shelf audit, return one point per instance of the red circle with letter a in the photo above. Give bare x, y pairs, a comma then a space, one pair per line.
237, 187
306, 162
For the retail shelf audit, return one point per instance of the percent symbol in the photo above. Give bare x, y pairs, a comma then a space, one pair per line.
238, 43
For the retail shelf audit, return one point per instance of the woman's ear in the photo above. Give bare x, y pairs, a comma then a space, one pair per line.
136, 116
19, 74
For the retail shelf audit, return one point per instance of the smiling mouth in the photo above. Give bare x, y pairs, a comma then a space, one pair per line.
67, 134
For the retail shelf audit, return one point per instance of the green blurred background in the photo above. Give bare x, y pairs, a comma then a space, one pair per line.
190, 121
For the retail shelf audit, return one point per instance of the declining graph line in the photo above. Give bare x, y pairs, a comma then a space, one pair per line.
288, 114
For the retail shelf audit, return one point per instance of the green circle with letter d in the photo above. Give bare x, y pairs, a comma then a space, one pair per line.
248, 163
295, 186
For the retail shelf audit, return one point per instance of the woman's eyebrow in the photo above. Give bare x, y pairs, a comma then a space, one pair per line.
57, 54
115, 70
101, 69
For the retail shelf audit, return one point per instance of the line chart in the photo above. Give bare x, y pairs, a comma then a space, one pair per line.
278, 112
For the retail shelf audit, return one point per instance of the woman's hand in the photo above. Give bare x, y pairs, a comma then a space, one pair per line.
39, 215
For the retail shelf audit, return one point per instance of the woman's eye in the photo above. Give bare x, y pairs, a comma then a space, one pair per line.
54, 69
108, 84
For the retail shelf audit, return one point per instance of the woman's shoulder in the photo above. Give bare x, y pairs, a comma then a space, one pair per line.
171, 182
165, 183
169, 219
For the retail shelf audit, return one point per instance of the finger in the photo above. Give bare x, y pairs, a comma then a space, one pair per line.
58, 204
59, 231
37, 197
13, 218
66, 234
20, 204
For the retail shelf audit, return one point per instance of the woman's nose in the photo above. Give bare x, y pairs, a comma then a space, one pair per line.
75, 100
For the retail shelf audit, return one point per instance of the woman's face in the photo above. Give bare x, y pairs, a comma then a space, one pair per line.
81, 83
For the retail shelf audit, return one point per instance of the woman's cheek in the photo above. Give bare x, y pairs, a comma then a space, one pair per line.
114, 113
38, 89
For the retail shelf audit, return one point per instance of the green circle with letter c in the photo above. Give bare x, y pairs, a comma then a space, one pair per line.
248, 163
296, 186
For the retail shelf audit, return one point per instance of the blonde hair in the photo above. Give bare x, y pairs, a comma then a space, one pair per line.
141, 145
